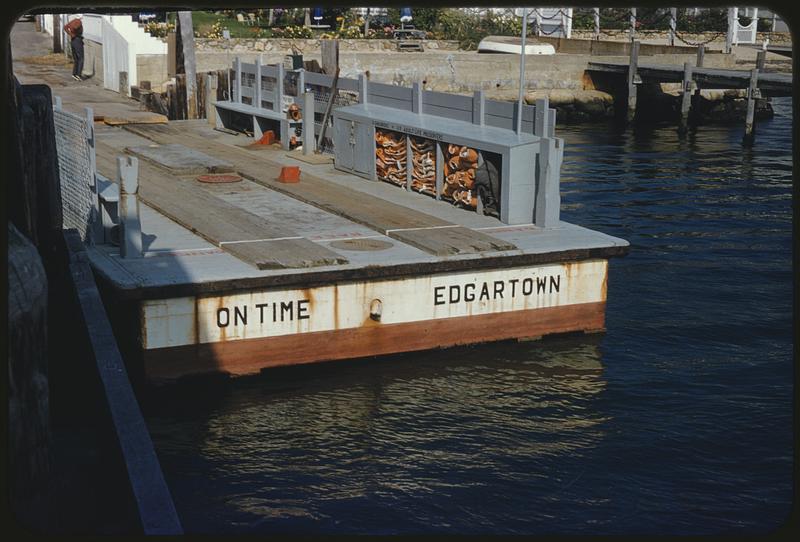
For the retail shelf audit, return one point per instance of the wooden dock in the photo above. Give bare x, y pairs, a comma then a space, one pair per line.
758, 83
241, 276
769, 84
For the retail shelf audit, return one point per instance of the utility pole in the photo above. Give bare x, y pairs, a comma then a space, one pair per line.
57, 33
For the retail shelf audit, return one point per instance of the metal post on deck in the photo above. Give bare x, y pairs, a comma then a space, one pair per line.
416, 97
632, 67
277, 103
522, 68
130, 228
308, 123
673, 16
98, 231
547, 207
686, 99
752, 94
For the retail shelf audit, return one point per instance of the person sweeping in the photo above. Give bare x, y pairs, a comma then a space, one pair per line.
74, 30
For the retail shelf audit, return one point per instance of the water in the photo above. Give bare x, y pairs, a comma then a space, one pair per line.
677, 420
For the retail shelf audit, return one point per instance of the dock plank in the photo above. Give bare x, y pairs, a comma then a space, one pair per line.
421, 230
219, 222
180, 160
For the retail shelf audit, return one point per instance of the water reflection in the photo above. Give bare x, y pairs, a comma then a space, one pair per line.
391, 429
677, 420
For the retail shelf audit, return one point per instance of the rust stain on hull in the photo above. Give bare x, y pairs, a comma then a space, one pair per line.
251, 355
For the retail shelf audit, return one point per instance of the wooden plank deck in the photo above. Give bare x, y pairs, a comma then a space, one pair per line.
770, 84
421, 230
264, 244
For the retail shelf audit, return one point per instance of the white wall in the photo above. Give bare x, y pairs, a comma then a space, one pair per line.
122, 40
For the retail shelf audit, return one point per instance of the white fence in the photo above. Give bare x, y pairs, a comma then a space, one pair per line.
118, 56
556, 22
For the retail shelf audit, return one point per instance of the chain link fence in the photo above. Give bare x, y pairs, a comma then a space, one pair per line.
76, 171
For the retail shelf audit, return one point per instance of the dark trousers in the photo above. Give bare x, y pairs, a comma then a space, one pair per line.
77, 55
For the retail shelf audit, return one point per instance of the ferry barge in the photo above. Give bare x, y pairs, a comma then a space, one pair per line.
432, 223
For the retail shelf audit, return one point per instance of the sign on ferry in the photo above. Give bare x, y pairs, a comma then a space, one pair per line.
269, 313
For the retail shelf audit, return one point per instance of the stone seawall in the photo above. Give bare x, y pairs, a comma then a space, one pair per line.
311, 45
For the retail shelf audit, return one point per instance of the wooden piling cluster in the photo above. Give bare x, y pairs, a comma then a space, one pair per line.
691, 80
172, 102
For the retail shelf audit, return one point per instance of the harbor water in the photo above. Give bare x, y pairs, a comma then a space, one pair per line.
676, 420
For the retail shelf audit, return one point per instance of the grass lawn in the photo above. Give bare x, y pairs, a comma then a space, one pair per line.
204, 20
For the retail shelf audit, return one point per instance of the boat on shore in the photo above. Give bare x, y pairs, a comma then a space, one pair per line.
513, 45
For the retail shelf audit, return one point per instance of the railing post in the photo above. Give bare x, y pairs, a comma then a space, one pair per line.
130, 229
416, 97
308, 123
257, 85
237, 70
277, 104
363, 91
478, 107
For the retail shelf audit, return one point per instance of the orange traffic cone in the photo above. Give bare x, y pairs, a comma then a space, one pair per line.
289, 174
267, 139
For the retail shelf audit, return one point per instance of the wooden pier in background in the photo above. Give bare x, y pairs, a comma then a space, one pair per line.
758, 83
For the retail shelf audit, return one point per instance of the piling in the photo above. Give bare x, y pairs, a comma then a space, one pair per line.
632, 67
212, 81
761, 60
752, 94
686, 98
187, 43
